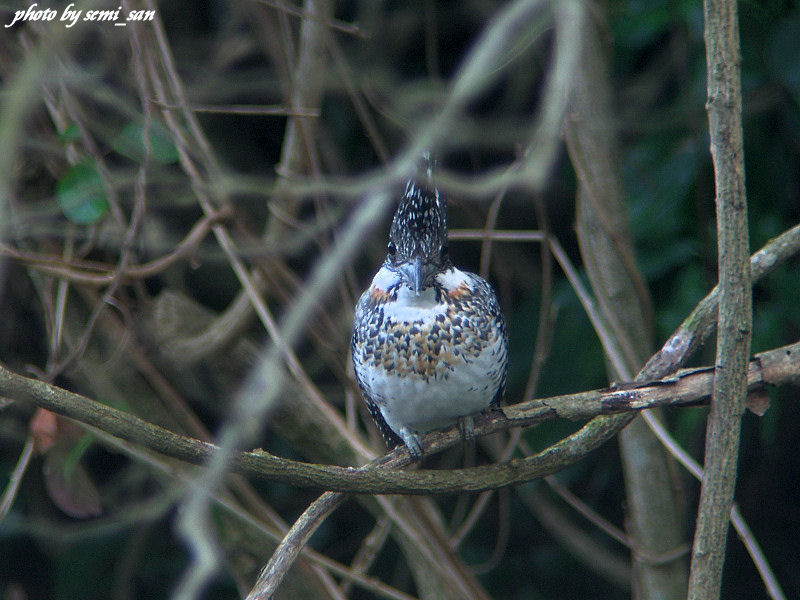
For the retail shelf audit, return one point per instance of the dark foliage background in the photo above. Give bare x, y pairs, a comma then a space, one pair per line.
400, 60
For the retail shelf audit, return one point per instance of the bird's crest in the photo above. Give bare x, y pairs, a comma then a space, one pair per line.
419, 227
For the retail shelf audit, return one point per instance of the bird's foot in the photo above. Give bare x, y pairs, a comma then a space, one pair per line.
413, 444
466, 425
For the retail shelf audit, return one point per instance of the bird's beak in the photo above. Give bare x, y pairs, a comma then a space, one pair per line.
412, 272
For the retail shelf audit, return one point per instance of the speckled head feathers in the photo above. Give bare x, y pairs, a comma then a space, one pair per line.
419, 228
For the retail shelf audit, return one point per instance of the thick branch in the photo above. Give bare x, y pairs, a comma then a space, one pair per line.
724, 107
653, 512
686, 388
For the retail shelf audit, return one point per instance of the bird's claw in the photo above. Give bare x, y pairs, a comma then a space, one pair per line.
413, 444
466, 425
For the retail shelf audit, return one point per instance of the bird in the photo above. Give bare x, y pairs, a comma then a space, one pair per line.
429, 343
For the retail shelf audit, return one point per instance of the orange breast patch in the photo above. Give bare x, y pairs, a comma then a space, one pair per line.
462, 291
376, 294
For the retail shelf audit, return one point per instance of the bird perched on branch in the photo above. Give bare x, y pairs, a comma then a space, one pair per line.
429, 341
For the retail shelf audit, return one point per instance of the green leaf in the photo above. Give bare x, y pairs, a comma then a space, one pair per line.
81, 194
129, 143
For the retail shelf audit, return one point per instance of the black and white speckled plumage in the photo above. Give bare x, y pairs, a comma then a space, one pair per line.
429, 341
419, 226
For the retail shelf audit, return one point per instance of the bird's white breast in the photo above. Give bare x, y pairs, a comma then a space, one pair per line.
423, 363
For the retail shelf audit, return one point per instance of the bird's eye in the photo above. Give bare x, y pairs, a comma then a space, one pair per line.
392, 249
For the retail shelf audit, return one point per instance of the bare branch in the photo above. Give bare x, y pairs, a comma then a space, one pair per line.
724, 107
688, 387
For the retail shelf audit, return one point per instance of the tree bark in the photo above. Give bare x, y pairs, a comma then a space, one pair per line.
655, 521
724, 107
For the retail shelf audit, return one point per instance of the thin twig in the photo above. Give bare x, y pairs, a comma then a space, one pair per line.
491, 221
370, 548
497, 235
503, 534
588, 513
15, 479
240, 109
355, 95
615, 356
547, 311
92, 273
61, 304
480, 504
771, 583
286, 553
583, 545
305, 15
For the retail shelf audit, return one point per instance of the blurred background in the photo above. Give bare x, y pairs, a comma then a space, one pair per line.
147, 171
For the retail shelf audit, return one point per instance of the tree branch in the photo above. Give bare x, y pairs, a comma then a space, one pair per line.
688, 387
654, 518
724, 107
